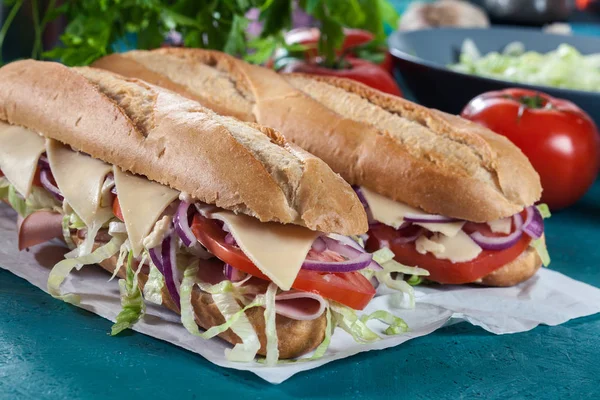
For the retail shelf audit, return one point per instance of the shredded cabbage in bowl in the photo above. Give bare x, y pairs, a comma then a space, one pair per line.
564, 67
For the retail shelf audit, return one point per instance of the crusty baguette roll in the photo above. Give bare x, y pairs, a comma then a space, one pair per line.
295, 338
428, 159
154, 132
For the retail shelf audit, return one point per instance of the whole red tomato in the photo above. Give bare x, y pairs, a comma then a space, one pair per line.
560, 139
359, 70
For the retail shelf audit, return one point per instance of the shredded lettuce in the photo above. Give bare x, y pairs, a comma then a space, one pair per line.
123, 252
4, 185
132, 302
187, 309
564, 67
544, 210
394, 266
396, 324
320, 350
41, 199
346, 318
16, 201
75, 222
399, 284
64, 267
67, 232
383, 255
245, 351
88, 243
540, 246
154, 285
415, 280
270, 326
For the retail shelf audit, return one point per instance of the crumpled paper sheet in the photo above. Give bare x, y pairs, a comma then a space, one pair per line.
548, 298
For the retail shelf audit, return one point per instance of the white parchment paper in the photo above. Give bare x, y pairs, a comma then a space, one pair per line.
548, 298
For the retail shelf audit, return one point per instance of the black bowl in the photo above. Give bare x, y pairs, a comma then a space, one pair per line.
421, 58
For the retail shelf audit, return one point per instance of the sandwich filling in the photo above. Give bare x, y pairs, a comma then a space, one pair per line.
453, 251
186, 247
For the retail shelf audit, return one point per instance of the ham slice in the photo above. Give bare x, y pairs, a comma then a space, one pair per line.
298, 305
294, 304
39, 227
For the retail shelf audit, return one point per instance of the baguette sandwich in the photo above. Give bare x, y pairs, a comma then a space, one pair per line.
442, 193
219, 220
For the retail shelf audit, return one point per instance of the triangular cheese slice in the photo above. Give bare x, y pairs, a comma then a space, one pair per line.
79, 178
142, 202
388, 211
20, 150
460, 248
278, 250
449, 229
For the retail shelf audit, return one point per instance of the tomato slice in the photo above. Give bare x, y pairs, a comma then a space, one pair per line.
445, 271
117, 209
349, 288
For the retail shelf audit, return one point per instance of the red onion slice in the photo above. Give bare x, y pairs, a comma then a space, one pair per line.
170, 268
45, 175
156, 257
319, 245
43, 162
182, 224
534, 223
233, 274
229, 239
357, 263
500, 242
408, 234
333, 243
428, 218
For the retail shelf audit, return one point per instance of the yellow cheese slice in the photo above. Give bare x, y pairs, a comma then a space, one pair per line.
447, 228
503, 225
20, 150
277, 250
79, 178
460, 248
142, 202
388, 211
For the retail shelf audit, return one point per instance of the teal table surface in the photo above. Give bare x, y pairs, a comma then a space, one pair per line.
51, 350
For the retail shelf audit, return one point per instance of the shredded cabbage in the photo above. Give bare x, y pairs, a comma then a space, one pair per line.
564, 67
132, 302
346, 318
544, 210
64, 267
270, 326
154, 285
540, 246
396, 324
